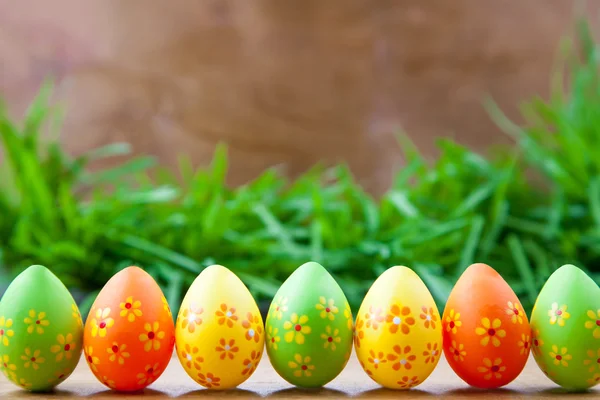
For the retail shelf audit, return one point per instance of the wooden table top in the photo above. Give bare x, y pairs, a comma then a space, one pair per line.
352, 382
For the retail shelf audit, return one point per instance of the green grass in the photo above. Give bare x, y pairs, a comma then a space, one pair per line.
525, 210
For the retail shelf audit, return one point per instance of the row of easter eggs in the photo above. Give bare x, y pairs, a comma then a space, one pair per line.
398, 335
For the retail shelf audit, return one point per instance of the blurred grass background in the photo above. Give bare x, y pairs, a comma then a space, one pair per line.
525, 210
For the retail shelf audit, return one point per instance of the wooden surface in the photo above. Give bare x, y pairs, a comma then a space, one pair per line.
352, 382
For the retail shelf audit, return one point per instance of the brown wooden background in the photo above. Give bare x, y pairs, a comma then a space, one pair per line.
283, 82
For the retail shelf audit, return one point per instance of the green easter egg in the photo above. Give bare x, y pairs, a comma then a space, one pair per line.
565, 325
309, 328
41, 331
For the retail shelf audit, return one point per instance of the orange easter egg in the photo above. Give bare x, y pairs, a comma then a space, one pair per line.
487, 337
129, 334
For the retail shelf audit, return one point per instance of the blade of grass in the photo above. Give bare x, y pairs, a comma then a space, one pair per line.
522, 264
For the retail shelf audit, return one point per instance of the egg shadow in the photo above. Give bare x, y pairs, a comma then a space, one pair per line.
300, 393
497, 394
220, 394
146, 393
560, 392
384, 393
24, 394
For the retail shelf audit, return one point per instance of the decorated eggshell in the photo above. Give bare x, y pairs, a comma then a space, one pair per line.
41, 331
220, 333
565, 325
486, 332
398, 335
309, 328
129, 333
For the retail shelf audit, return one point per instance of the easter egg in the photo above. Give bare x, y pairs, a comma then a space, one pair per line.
309, 328
486, 332
398, 333
41, 331
565, 326
129, 334
219, 334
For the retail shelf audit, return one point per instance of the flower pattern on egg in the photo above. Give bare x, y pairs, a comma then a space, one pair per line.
32, 358
226, 315
561, 357
131, 309
327, 307
253, 326
458, 351
524, 344
7, 366
102, 322
166, 305
36, 322
491, 332
453, 322
92, 360
432, 353
227, 348
118, 353
594, 380
190, 355
593, 323
359, 333
59, 376
76, 314
593, 361
108, 382
515, 312
348, 316
558, 315
5, 331
402, 359
273, 338
191, 318
400, 318
24, 384
331, 338
209, 380
374, 317
152, 337
251, 363
64, 348
407, 382
301, 366
376, 358
429, 317
492, 369
279, 307
536, 341
297, 328
151, 372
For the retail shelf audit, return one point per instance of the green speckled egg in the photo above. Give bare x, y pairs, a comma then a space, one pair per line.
565, 327
309, 328
41, 331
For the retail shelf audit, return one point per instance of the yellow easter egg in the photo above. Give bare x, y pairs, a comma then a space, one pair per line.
219, 332
398, 334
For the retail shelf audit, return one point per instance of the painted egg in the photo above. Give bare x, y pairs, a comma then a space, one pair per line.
219, 334
565, 325
41, 331
398, 336
129, 333
486, 332
309, 328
